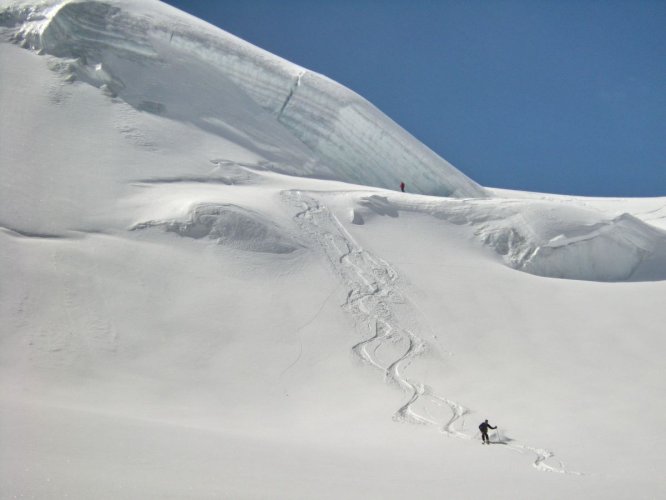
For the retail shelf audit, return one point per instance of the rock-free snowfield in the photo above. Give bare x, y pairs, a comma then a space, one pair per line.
212, 287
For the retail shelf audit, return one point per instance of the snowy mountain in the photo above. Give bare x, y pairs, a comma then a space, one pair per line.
211, 287
160, 61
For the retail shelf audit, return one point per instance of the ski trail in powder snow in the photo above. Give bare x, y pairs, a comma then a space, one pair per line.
373, 297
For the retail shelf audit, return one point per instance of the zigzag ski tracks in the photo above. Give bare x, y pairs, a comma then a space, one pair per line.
374, 300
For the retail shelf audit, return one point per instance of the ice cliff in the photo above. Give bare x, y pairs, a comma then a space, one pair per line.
153, 57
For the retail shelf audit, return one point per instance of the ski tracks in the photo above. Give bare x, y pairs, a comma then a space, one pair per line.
373, 298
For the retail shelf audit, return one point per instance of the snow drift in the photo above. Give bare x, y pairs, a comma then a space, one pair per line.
229, 225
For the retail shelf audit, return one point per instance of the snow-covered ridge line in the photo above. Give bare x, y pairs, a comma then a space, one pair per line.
355, 140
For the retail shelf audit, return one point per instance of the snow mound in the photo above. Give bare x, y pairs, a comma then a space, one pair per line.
231, 226
151, 56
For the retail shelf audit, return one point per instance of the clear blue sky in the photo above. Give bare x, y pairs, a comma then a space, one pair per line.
558, 96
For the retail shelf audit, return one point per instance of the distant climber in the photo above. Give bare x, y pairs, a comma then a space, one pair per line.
484, 431
402, 187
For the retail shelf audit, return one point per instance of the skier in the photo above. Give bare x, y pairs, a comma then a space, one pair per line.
402, 187
484, 431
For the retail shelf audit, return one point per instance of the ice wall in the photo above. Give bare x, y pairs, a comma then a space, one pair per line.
121, 45
366, 146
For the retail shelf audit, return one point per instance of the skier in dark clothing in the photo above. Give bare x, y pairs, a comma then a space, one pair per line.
484, 431
402, 187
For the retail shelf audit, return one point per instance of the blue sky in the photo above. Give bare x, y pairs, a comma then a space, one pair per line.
558, 96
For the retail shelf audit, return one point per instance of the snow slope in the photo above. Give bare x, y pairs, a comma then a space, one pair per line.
206, 290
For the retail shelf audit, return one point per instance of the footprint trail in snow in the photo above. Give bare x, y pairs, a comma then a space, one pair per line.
379, 310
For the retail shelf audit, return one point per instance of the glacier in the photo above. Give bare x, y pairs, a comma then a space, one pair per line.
164, 63
130, 53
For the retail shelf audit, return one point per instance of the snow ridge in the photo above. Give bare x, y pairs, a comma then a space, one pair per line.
229, 225
374, 299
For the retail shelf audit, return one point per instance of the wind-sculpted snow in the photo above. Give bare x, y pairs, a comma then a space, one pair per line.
548, 238
231, 226
147, 58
